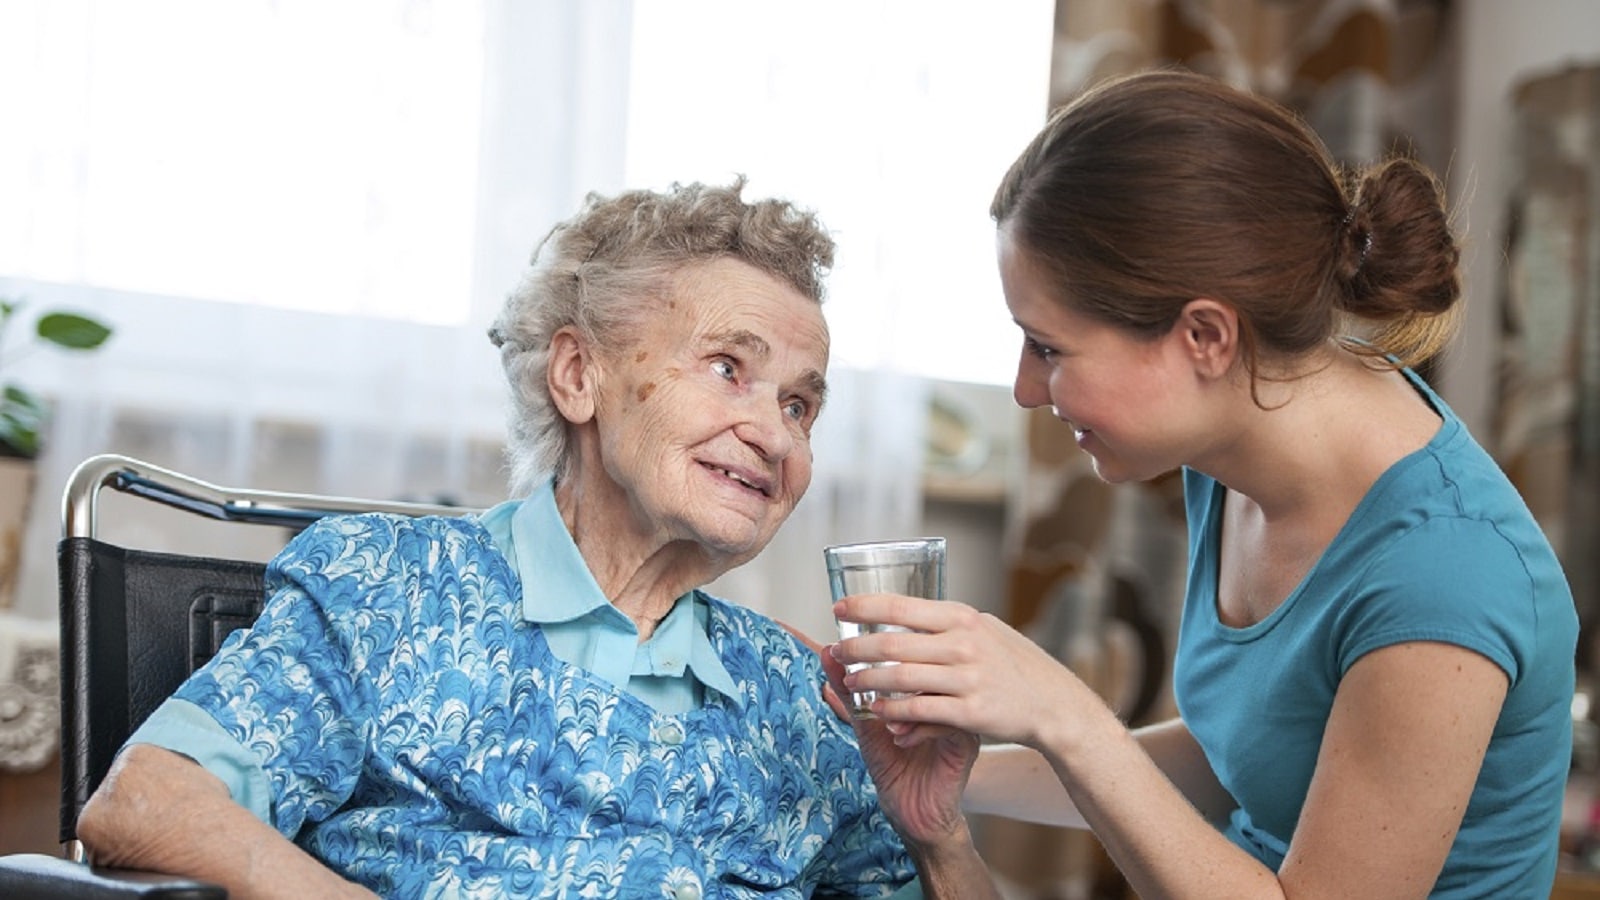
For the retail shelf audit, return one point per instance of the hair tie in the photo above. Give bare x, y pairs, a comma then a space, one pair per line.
1366, 239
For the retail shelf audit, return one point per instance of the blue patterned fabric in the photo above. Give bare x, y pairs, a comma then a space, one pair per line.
418, 736
669, 670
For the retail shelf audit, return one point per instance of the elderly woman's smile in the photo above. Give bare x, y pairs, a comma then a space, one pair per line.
762, 486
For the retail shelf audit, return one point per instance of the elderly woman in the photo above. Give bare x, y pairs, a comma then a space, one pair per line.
539, 701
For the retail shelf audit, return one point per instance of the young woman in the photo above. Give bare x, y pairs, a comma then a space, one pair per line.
1375, 665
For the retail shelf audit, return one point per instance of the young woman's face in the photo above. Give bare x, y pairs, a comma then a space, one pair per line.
1123, 396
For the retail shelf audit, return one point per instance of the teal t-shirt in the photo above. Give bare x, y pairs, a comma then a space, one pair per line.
1442, 548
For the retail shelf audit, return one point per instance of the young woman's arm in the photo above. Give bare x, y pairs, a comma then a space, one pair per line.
1018, 782
1403, 746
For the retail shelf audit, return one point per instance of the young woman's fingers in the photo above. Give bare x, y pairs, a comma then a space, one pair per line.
916, 613
910, 678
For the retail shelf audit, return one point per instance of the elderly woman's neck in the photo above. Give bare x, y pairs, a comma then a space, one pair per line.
642, 575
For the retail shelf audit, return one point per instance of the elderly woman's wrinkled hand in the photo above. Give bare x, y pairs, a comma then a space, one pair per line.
919, 786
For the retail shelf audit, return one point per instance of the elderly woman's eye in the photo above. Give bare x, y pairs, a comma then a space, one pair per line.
796, 409
724, 369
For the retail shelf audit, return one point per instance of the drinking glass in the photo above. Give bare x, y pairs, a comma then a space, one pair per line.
914, 567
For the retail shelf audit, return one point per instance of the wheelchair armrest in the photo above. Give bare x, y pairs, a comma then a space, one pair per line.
35, 876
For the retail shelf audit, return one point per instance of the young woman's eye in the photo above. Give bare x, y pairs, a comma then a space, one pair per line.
724, 368
1037, 349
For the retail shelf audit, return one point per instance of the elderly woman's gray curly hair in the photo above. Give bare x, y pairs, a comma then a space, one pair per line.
611, 265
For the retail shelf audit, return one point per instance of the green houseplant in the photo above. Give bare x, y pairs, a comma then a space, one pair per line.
22, 412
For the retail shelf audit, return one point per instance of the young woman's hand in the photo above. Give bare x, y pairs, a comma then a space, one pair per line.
964, 669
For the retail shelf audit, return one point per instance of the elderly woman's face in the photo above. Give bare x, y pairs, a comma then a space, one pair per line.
705, 421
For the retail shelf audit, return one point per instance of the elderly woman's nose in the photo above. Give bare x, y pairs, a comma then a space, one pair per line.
766, 428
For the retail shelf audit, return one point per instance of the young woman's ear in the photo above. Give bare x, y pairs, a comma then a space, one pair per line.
571, 376
1209, 330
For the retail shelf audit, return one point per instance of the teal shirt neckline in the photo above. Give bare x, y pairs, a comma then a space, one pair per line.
1443, 440
1443, 549
583, 628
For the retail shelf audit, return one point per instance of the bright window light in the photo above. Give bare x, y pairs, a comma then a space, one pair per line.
894, 120
314, 156
297, 154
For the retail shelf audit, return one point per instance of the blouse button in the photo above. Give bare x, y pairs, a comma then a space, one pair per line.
687, 892
671, 734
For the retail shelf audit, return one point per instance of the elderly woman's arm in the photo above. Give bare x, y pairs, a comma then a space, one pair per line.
160, 811
920, 790
950, 867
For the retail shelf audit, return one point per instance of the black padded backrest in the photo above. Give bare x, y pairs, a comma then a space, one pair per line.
134, 625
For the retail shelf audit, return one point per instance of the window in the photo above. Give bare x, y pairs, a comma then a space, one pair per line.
375, 158
295, 154
893, 119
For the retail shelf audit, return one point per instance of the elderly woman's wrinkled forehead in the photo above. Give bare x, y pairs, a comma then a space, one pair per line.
706, 292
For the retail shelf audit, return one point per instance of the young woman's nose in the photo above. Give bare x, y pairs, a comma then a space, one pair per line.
1032, 386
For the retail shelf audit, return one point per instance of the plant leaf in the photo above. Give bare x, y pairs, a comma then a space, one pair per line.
17, 444
16, 396
21, 418
72, 331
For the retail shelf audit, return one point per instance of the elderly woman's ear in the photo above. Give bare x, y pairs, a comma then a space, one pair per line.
571, 376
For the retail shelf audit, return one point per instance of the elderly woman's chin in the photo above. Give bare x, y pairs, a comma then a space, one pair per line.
734, 532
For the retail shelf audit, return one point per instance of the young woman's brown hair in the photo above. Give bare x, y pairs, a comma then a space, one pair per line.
1151, 190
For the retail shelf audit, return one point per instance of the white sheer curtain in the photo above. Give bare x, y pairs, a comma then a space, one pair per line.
894, 119
300, 217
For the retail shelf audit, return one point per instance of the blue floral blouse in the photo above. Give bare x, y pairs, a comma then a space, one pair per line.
417, 734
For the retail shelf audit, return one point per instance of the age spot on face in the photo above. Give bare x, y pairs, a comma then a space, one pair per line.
645, 390
641, 356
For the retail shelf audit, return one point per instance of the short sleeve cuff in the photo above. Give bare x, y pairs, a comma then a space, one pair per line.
182, 727
911, 890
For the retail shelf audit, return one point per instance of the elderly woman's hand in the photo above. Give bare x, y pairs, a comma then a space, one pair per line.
919, 786
920, 789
